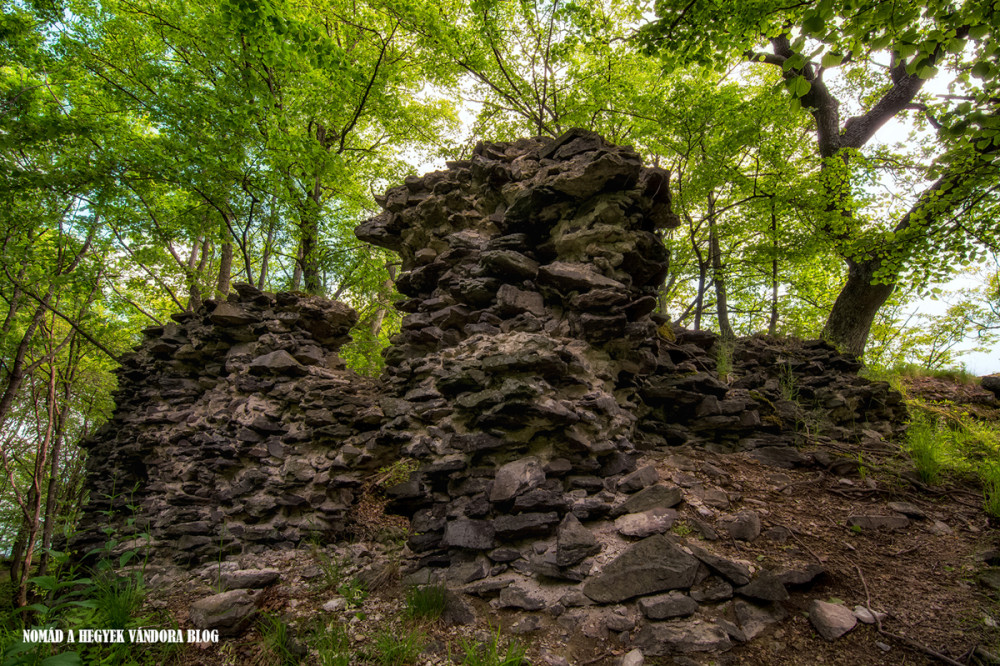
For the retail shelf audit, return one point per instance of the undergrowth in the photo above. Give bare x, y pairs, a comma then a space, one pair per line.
493, 653
425, 602
943, 441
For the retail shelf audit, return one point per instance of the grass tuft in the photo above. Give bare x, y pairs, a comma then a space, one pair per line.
490, 653
426, 602
398, 647
991, 489
924, 443
277, 638
332, 644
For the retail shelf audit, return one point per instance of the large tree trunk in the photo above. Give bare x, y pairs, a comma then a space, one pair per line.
309, 241
855, 309
772, 324
718, 275
225, 271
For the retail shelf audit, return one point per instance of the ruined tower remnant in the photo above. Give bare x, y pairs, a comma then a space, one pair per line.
531, 271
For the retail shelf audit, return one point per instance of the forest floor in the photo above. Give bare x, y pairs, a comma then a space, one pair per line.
927, 577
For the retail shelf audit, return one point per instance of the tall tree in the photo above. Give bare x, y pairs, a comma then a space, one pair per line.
883, 55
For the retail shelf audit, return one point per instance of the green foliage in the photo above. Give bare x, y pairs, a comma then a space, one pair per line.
277, 637
354, 590
394, 646
493, 652
990, 474
426, 602
787, 382
332, 644
724, 357
941, 440
925, 443
332, 568
396, 473
117, 598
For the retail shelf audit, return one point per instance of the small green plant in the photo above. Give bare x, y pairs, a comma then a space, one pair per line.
856, 529
277, 638
991, 490
862, 468
681, 528
426, 602
490, 653
396, 473
331, 567
787, 382
118, 598
332, 645
724, 358
923, 440
354, 591
395, 647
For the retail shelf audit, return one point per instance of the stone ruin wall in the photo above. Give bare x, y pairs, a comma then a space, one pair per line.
237, 428
530, 374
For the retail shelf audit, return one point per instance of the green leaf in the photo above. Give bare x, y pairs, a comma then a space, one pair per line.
63, 659
979, 31
814, 24
981, 69
799, 86
832, 59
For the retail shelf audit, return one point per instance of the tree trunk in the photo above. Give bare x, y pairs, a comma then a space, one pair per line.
194, 294
772, 324
309, 242
225, 271
297, 273
854, 311
15, 375
718, 275
52, 495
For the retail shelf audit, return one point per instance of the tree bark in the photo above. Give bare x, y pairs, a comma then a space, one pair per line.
309, 242
225, 271
718, 274
772, 324
859, 301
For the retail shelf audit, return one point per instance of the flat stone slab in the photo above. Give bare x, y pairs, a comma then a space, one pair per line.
880, 523
665, 606
734, 572
831, 620
229, 612
654, 521
765, 587
754, 619
907, 509
652, 565
250, 578
657, 639
657, 495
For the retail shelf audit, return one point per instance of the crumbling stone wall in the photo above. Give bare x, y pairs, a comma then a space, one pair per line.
531, 270
779, 392
236, 428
